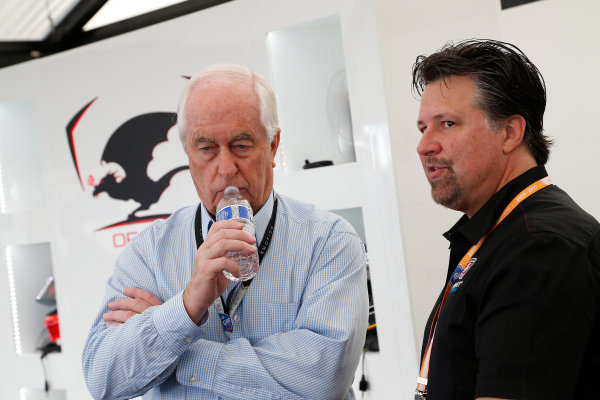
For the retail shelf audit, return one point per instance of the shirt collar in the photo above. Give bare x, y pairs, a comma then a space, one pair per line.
474, 228
261, 219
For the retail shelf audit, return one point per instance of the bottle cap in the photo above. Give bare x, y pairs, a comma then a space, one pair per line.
231, 189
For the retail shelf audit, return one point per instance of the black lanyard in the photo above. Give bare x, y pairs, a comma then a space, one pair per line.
262, 249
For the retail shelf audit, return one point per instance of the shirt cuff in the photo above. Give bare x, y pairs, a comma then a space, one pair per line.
174, 325
197, 367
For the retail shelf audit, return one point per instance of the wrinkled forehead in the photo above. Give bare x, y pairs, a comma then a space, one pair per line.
221, 97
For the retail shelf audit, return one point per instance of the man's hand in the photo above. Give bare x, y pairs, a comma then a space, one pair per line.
208, 281
136, 302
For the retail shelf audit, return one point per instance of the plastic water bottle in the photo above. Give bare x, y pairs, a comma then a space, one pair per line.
234, 206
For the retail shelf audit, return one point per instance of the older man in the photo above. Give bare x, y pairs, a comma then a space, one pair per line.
298, 328
519, 315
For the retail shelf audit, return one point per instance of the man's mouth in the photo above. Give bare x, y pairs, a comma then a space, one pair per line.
436, 171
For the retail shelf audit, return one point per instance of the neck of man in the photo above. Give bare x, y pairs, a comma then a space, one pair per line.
518, 162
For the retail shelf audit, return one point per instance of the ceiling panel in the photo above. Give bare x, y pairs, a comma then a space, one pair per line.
31, 20
118, 10
36, 28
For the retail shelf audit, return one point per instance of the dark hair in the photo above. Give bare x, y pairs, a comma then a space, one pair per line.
508, 82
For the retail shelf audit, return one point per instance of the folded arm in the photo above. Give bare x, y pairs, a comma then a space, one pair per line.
316, 358
136, 340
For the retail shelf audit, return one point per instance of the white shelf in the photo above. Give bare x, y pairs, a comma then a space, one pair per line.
309, 78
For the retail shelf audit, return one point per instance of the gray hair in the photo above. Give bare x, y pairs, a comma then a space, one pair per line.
233, 72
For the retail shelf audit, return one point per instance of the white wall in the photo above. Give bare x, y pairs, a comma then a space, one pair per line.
560, 37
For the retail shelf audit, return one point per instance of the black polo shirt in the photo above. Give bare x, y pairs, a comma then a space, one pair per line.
524, 321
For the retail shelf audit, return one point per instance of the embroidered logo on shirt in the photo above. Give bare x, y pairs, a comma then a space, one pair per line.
455, 286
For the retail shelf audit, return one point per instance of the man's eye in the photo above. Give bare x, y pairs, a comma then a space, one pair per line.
448, 124
240, 148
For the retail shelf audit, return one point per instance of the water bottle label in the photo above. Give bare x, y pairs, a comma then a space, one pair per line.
224, 214
244, 212
233, 212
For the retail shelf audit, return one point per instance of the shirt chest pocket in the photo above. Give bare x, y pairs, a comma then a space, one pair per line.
268, 319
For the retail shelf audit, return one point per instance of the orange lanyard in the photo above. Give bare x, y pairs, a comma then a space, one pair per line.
459, 272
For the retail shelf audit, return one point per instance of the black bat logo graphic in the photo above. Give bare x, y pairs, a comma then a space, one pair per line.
131, 146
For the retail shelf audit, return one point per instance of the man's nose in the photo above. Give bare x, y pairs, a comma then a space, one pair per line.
227, 163
428, 145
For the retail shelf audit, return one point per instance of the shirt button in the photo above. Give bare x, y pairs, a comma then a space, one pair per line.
236, 318
194, 379
188, 340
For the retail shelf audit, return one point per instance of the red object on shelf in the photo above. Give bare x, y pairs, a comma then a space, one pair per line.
52, 327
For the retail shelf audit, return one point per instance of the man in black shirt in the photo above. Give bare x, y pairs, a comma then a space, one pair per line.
519, 316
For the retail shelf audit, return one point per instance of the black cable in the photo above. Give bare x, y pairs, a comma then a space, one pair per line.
46, 383
363, 385
47, 349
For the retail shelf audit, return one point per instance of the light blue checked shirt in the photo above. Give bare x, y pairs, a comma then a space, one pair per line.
298, 332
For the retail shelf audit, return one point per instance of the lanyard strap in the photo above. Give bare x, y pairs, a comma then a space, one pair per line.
227, 308
459, 273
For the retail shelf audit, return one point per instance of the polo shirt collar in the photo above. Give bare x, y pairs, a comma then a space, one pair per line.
474, 228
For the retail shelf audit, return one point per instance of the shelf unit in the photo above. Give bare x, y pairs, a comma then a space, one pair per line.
309, 76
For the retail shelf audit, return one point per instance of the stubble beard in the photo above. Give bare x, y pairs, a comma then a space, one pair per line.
446, 191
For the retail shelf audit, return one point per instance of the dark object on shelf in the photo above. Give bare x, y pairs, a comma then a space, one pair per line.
49, 348
316, 164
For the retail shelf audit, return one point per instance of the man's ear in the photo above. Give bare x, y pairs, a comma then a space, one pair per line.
274, 146
514, 132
